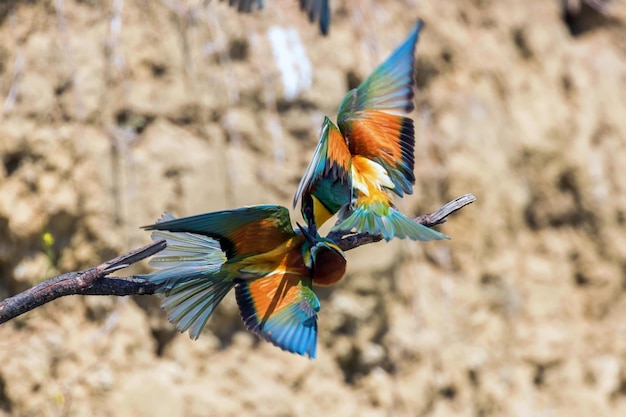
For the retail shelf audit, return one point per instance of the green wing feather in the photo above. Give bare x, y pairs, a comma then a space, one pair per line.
241, 232
370, 116
327, 177
389, 88
281, 309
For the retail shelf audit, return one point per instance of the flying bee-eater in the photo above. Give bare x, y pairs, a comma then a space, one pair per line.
317, 10
368, 155
256, 251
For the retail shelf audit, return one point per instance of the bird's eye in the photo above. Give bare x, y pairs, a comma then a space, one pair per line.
308, 206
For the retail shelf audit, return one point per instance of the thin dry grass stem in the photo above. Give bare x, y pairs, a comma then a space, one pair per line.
220, 42
188, 13
120, 140
233, 147
272, 122
121, 137
68, 52
115, 58
18, 66
203, 13
362, 21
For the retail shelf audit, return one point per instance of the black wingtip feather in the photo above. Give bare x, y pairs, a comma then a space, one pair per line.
407, 140
410, 105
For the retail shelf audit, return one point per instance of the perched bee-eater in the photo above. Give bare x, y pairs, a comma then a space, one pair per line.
370, 154
316, 9
256, 251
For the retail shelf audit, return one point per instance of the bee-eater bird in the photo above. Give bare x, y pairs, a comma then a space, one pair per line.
256, 251
370, 154
316, 9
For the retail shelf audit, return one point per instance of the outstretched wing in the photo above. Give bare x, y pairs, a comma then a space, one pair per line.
327, 177
370, 116
241, 232
282, 309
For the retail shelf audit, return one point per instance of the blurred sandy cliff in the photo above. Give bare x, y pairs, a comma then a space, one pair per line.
112, 112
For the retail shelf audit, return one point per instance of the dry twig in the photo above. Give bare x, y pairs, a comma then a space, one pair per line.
93, 281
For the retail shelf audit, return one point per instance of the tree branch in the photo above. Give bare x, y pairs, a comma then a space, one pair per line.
95, 281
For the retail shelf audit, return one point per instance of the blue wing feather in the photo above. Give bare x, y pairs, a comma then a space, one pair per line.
370, 116
389, 88
292, 328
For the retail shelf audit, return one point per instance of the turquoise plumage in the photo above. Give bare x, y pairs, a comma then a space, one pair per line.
357, 164
256, 251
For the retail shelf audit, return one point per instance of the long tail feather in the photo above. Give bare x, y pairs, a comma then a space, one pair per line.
379, 219
188, 277
190, 305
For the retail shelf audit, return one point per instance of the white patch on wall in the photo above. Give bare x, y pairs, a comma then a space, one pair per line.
290, 56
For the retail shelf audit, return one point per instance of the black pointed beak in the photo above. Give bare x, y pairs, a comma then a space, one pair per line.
307, 234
